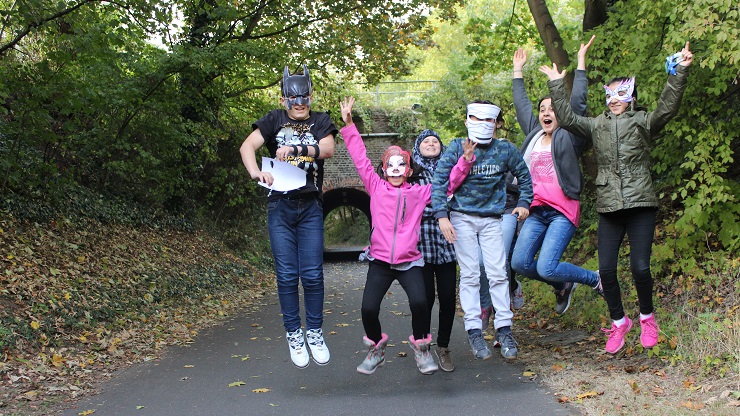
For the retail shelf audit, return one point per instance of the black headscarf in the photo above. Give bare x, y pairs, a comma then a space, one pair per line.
427, 163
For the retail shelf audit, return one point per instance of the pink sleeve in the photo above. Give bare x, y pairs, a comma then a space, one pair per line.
358, 153
458, 174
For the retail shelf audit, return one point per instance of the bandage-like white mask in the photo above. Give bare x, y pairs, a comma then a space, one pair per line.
481, 131
396, 166
622, 92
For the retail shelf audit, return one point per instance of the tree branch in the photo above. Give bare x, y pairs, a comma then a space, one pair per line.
23, 33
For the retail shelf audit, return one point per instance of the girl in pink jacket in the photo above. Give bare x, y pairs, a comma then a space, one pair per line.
396, 208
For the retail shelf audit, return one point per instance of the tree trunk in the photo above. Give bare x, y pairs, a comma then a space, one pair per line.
551, 38
594, 14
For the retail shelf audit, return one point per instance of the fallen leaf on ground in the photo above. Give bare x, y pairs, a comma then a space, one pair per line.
589, 394
402, 354
634, 386
237, 383
261, 390
691, 405
529, 374
563, 399
188, 366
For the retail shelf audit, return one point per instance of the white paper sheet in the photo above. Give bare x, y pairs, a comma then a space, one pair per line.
286, 177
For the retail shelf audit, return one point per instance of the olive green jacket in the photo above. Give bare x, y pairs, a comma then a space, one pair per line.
622, 144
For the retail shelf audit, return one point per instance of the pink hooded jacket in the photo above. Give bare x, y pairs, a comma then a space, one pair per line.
396, 211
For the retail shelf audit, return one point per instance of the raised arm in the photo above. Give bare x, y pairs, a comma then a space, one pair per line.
526, 118
579, 94
356, 148
567, 119
670, 98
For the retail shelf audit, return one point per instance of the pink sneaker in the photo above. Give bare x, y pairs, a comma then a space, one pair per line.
649, 334
616, 336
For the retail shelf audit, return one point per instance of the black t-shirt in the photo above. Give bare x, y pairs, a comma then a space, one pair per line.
280, 130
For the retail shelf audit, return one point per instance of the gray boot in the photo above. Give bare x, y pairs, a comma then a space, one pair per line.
424, 359
375, 354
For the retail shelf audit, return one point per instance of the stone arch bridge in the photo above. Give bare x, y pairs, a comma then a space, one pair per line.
342, 184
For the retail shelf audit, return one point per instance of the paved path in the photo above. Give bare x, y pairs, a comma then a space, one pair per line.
251, 348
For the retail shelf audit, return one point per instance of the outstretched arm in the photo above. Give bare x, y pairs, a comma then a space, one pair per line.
670, 98
356, 148
567, 119
524, 114
579, 93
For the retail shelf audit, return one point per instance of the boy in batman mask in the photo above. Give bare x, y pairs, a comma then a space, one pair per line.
295, 219
474, 223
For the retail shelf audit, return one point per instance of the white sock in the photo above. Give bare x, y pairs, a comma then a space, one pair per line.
644, 317
620, 322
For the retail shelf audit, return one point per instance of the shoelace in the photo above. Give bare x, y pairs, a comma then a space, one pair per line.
315, 338
295, 341
615, 330
650, 327
478, 342
506, 337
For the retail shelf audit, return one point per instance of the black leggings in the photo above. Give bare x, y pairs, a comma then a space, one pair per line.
639, 225
446, 274
380, 276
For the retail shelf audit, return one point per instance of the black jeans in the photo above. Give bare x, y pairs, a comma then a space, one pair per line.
639, 225
446, 277
380, 276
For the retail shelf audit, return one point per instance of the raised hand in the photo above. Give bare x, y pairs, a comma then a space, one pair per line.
552, 73
468, 148
346, 108
520, 58
582, 53
688, 57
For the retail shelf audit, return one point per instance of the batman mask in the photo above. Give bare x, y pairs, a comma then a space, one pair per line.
296, 89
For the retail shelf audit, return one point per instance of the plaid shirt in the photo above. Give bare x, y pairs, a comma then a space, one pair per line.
432, 244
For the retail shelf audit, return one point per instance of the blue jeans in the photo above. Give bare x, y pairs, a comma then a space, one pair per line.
508, 227
548, 231
296, 229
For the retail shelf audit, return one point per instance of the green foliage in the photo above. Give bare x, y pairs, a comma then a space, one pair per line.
115, 98
346, 227
695, 162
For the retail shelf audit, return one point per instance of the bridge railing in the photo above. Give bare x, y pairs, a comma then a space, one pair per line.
395, 93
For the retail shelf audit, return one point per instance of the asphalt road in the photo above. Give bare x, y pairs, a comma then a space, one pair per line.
251, 349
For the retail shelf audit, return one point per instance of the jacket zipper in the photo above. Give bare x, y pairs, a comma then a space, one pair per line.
395, 226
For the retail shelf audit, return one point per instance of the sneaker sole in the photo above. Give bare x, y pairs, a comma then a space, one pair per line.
373, 370
570, 298
428, 372
318, 362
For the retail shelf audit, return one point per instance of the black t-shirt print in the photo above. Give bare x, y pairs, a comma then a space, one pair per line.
280, 130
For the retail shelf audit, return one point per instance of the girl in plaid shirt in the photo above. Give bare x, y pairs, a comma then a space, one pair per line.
439, 255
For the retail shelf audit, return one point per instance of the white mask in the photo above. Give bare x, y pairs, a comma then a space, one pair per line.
626, 88
482, 131
396, 166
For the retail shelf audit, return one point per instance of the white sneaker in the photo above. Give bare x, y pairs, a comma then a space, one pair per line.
319, 350
298, 351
